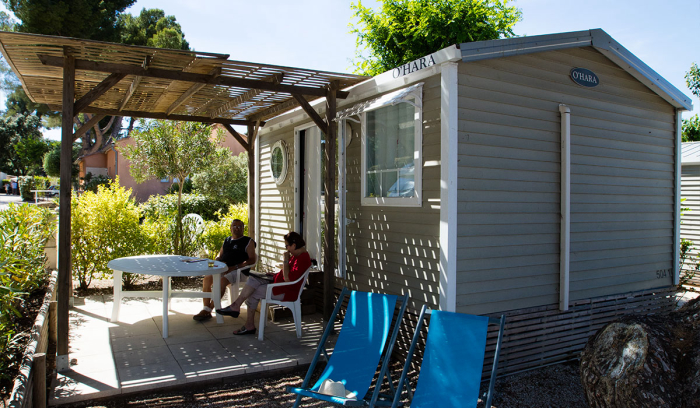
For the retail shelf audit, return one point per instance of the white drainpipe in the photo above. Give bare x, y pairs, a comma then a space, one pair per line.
677, 202
565, 233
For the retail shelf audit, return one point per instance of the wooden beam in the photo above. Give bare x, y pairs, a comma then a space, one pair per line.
187, 76
312, 113
329, 202
252, 131
274, 110
162, 115
64, 212
134, 84
89, 124
96, 92
130, 92
191, 91
237, 136
276, 79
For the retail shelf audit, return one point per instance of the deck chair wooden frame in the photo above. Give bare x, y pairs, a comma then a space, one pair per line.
351, 340
479, 323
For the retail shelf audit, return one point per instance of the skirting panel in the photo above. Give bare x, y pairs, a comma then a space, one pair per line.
540, 336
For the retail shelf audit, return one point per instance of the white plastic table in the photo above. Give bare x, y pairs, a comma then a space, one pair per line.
166, 266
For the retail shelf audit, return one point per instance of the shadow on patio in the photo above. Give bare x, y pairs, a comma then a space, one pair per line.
131, 355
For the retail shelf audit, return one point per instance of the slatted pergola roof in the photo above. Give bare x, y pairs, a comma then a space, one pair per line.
163, 83
84, 76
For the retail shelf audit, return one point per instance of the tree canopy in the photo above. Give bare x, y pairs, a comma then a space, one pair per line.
405, 30
226, 177
691, 127
152, 28
22, 145
89, 19
168, 149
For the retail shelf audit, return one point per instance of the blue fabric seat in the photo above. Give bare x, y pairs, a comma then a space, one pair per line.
450, 374
364, 344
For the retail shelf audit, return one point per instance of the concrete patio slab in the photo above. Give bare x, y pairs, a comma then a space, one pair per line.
113, 358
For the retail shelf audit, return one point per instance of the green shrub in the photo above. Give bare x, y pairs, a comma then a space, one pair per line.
186, 189
42, 183
24, 230
159, 234
166, 206
91, 182
216, 231
26, 185
105, 226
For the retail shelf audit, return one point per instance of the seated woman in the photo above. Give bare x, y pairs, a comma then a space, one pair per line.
296, 262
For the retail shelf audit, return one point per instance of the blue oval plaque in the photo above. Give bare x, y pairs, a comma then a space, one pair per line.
584, 77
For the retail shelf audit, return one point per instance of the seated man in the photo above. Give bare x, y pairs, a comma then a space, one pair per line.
236, 252
296, 262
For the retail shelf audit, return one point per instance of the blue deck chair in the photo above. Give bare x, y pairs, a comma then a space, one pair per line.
450, 373
366, 336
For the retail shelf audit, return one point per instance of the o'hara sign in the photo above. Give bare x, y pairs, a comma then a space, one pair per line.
584, 77
413, 66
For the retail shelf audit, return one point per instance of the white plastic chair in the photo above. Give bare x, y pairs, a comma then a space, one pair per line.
294, 306
233, 293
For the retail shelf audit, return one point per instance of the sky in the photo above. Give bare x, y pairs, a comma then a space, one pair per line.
315, 33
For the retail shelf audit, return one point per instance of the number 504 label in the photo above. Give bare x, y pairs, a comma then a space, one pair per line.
663, 273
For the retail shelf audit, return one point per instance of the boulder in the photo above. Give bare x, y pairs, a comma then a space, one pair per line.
645, 361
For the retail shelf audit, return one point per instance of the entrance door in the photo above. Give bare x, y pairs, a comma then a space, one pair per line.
308, 202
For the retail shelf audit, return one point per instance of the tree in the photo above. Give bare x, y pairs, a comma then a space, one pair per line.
22, 144
152, 28
89, 19
52, 161
95, 20
691, 127
405, 30
226, 177
174, 150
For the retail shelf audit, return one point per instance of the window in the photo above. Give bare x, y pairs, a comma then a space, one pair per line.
391, 149
278, 162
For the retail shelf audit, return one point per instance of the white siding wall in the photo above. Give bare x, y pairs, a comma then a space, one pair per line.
690, 220
622, 163
396, 249
276, 211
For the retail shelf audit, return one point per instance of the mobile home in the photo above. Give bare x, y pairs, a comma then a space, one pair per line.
537, 177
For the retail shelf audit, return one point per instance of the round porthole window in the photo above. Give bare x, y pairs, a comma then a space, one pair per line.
278, 162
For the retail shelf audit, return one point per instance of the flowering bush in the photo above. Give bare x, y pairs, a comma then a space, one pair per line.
24, 230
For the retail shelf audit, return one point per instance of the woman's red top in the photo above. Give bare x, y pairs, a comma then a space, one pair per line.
297, 266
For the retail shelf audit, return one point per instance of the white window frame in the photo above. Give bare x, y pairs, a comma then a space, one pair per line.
413, 98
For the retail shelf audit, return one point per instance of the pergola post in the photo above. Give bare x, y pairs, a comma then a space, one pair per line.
252, 130
64, 213
329, 210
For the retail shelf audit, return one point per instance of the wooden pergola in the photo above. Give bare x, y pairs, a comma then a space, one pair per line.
82, 76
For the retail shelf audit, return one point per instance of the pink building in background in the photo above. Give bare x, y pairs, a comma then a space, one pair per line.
111, 163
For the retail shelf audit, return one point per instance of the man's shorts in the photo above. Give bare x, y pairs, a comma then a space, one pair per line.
231, 276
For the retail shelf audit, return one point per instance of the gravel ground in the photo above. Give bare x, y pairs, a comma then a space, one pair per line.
554, 386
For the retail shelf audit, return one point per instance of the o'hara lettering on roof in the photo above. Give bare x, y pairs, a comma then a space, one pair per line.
584, 77
413, 66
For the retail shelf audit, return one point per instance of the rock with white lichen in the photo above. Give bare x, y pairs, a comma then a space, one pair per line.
645, 361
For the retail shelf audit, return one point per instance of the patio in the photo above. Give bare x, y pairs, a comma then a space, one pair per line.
129, 356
